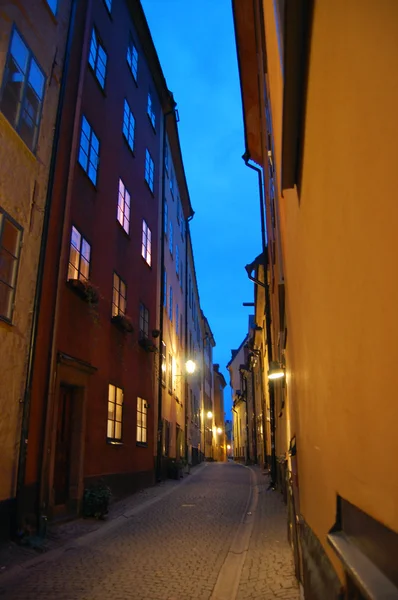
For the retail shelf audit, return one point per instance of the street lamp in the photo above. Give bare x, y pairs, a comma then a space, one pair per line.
190, 367
209, 414
275, 371
219, 430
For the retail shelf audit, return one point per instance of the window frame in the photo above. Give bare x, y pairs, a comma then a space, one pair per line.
3, 217
100, 45
149, 174
132, 46
19, 112
115, 439
116, 311
108, 8
121, 210
148, 242
86, 169
150, 111
82, 239
142, 428
131, 118
143, 320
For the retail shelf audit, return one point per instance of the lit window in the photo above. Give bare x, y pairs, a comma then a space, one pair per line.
53, 5
166, 217
79, 257
177, 320
142, 425
89, 151
144, 321
170, 373
119, 296
123, 207
164, 365
115, 413
149, 169
171, 304
171, 238
97, 58
177, 261
128, 125
108, 4
22, 92
132, 58
10, 246
146, 247
164, 287
150, 111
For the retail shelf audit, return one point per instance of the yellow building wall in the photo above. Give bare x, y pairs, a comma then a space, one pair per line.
23, 187
339, 243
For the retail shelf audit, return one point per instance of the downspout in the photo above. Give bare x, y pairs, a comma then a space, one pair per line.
255, 418
161, 307
23, 446
186, 332
64, 247
246, 158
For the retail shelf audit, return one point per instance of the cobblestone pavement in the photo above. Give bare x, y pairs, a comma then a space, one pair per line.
268, 571
170, 545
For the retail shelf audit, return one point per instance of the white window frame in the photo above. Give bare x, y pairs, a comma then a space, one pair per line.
123, 206
115, 414
146, 245
142, 421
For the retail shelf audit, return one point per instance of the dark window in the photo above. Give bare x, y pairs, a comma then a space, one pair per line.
23, 90
10, 245
144, 321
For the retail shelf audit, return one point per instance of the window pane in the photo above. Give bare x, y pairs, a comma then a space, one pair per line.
111, 410
36, 79
19, 51
111, 393
119, 410
119, 395
118, 431
10, 237
86, 250
111, 429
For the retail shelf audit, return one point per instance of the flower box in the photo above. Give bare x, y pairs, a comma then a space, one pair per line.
123, 322
147, 345
84, 289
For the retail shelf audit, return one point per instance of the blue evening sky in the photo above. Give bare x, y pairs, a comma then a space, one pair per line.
196, 47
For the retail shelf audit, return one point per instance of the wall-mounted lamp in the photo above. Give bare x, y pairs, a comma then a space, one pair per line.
190, 366
219, 430
209, 415
275, 371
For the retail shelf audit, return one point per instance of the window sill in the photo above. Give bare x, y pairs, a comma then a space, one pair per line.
93, 185
142, 444
50, 12
128, 145
112, 442
122, 229
149, 188
5, 322
102, 89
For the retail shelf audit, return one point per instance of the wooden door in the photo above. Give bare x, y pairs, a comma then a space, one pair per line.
63, 445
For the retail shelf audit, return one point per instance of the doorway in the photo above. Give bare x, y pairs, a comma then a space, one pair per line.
63, 445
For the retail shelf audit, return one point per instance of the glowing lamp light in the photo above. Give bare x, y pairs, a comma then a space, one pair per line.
209, 415
190, 366
219, 430
228, 447
275, 370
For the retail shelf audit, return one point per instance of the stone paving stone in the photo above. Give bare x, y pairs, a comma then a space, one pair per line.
269, 560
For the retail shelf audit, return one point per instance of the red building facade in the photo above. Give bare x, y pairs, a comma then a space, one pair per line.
94, 391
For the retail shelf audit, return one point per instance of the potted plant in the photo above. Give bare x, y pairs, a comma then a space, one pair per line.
96, 500
123, 322
147, 344
85, 289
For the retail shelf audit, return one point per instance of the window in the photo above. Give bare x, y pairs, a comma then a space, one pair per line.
146, 249
171, 183
164, 287
123, 207
142, 426
170, 373
171, 238
119, 296
97, 58
182, 227
128, 125
149, 169
150, 111
79, 257
89, 151
108, 4
171, 304
10, 247
178, 210
115, 411
166, 217
144, 321
132, 58
53, 5
177, 261
164, 365
166, 158
177, 320
23, 89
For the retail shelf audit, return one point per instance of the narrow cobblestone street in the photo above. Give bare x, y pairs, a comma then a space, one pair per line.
172, 547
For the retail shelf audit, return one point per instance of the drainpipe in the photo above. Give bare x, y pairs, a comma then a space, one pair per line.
246, 158
48, 436
255, 418
162, 268
23, 446
187, 237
